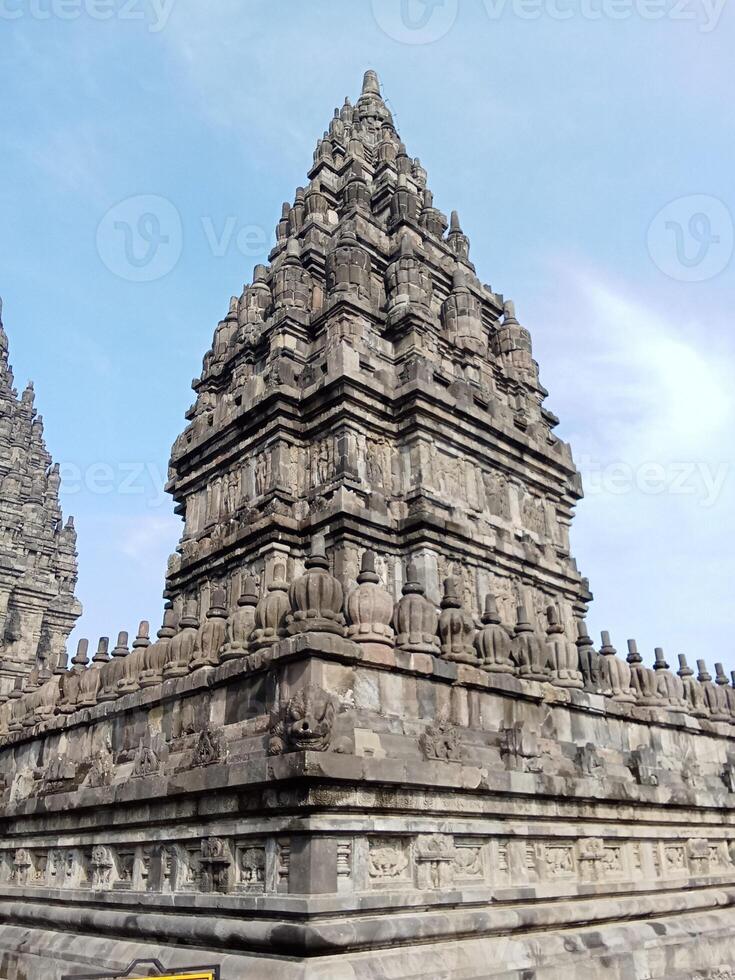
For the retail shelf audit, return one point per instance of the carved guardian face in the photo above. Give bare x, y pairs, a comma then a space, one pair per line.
309, 720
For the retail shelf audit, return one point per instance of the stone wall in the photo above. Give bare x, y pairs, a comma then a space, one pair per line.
359, 804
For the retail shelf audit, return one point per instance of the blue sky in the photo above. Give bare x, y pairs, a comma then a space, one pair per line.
588, 147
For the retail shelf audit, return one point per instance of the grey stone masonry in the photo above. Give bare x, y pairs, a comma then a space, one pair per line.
38, 560
373, 737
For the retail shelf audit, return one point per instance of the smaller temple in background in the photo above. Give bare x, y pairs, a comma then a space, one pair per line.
38, 557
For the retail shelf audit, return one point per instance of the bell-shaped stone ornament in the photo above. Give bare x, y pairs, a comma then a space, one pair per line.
529, 649
670, 687
616, 679
316, 597
693, 692
155, 656
211, 635
241, 622
111, 672
642, 678
369, 608
271, 612
415, 618
182, 646
456, 626
714, 696
134, 663
493, 642
727, 692
589, 659
563, 655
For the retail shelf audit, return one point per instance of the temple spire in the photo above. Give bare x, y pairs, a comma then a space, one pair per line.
371, 83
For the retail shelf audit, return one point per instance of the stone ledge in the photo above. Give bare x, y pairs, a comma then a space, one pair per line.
342, 934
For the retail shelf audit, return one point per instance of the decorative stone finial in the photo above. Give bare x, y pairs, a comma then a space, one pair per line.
369, 608
183, 645
271, 612
668, 686
211, 636
155, 656
563, 656
121, 647
371, 83
616, 676
634, 656
316, 597
456, 626
241, 622
103, 651
81, 657
693, 691
714, 697
493, 642
589, 658
143, 639
643, 679
529, 649
415, 618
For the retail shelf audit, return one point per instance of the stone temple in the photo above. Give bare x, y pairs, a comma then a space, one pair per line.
372, 737
38, 567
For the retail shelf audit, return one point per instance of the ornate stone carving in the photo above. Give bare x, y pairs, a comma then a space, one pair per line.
387, 860
441, 741
415, 619
211, 635
181, 648
271, 612
156, 655
134, 663
615, 673
306, 724
670, 687
146, 762
643, 679
435, 861
215, 862
370, 608
316, 597
493, 642
589, 658
456, 626
529, 650
563, 655
693, 693
210, 748
101, 865
251, 865
241, 622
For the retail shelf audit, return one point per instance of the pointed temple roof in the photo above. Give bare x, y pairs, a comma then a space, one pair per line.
38, 559
368, 375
